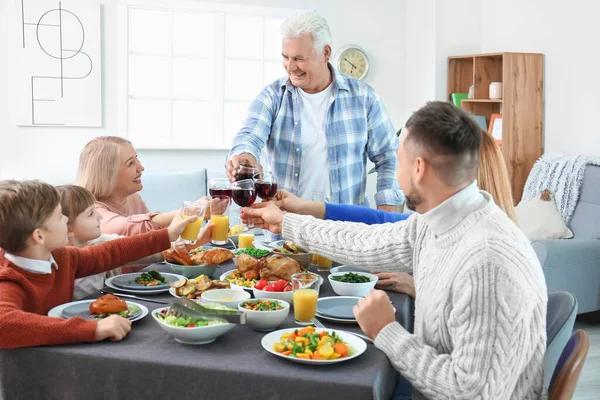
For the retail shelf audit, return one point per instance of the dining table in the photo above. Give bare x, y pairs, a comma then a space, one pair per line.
150, 364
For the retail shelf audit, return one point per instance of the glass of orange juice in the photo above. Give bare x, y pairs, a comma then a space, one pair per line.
306, 292
219, 215
246, 240
323, 264
189, 209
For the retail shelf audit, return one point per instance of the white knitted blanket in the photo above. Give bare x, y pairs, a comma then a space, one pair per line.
562, 175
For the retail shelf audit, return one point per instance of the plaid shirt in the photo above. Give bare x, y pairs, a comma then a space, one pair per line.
357, 126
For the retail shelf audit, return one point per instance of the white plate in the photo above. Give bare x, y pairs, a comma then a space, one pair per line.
109, 283
237, 287
338, 320
277, 244
56, 312
358, 345
336, 299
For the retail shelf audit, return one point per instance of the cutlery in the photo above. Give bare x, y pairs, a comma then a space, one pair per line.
318, 324
187, 308
129, 296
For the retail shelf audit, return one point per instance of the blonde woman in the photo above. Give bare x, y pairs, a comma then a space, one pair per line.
492, 175
110, 169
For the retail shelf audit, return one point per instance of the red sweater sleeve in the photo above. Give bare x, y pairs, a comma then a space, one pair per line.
92, 260
26, 329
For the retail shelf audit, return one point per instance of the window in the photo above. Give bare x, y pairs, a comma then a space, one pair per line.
189, 70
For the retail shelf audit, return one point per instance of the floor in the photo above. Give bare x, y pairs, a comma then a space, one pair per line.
588, 387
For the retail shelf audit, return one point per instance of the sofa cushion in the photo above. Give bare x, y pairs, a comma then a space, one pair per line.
585, 223
165, 191
539, 219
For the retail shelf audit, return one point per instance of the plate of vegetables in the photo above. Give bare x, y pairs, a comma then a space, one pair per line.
238, 281
145, 283
311, 346
144, 280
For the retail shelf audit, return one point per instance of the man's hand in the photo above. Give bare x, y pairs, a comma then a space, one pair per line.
389, 208
374, 312
263, 215
288, 202
114, 328
234, 164
397, 282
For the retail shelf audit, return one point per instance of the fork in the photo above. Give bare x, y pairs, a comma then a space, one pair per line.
318, 324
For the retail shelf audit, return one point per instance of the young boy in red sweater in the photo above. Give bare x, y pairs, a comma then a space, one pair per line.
37, 271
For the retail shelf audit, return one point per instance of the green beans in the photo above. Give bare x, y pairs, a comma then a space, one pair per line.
351, 277
258, 253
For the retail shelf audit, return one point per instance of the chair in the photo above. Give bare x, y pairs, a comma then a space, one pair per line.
566, 374
560, 318
164, 191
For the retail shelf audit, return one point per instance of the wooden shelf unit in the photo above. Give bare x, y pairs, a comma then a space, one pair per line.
521, 106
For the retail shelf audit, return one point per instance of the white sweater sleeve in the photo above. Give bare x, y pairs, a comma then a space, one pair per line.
489, 327
385, 247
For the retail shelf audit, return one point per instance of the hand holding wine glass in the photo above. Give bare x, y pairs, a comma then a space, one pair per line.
266, 185
244, 193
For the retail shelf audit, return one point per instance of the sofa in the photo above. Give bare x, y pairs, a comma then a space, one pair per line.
573, 265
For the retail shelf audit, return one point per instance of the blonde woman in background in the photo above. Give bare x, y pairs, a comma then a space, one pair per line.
492, 175
110, 169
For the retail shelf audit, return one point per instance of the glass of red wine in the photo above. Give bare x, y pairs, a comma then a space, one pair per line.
246, 171
244, 194
220, 187
266, 185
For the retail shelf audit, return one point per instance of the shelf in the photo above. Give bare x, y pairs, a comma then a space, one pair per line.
482, 101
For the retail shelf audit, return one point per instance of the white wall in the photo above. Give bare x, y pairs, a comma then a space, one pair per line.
435, 30
567, 33
51, 154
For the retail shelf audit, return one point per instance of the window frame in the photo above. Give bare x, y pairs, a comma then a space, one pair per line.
171, 143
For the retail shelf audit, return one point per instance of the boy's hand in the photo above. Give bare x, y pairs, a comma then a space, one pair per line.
114, 328
178, 225
204, 236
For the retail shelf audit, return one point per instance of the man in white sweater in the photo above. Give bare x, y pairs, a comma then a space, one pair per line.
480, 312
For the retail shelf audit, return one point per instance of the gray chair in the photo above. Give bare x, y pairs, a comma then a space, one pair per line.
165, 191
560, 319
573, 265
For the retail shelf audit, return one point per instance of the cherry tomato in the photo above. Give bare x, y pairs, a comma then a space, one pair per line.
279, 285
190, 325
260, 285
269, 288
288, 288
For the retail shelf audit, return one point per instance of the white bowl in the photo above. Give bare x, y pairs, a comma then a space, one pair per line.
197, 335
353, 289
265, 320
285, 296
228, 297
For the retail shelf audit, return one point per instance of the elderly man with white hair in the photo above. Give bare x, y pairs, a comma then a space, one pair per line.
318, 125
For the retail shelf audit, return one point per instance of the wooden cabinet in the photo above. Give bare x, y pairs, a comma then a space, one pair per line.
521, 106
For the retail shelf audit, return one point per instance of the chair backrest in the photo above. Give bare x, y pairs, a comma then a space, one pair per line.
560, 318
566, 373
164, 191
585, 223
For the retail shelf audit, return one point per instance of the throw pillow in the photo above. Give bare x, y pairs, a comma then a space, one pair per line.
539, 218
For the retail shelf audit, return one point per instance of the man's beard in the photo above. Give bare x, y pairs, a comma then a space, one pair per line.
413, 199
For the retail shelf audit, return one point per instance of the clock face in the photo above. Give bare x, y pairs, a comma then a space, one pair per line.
353, 62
